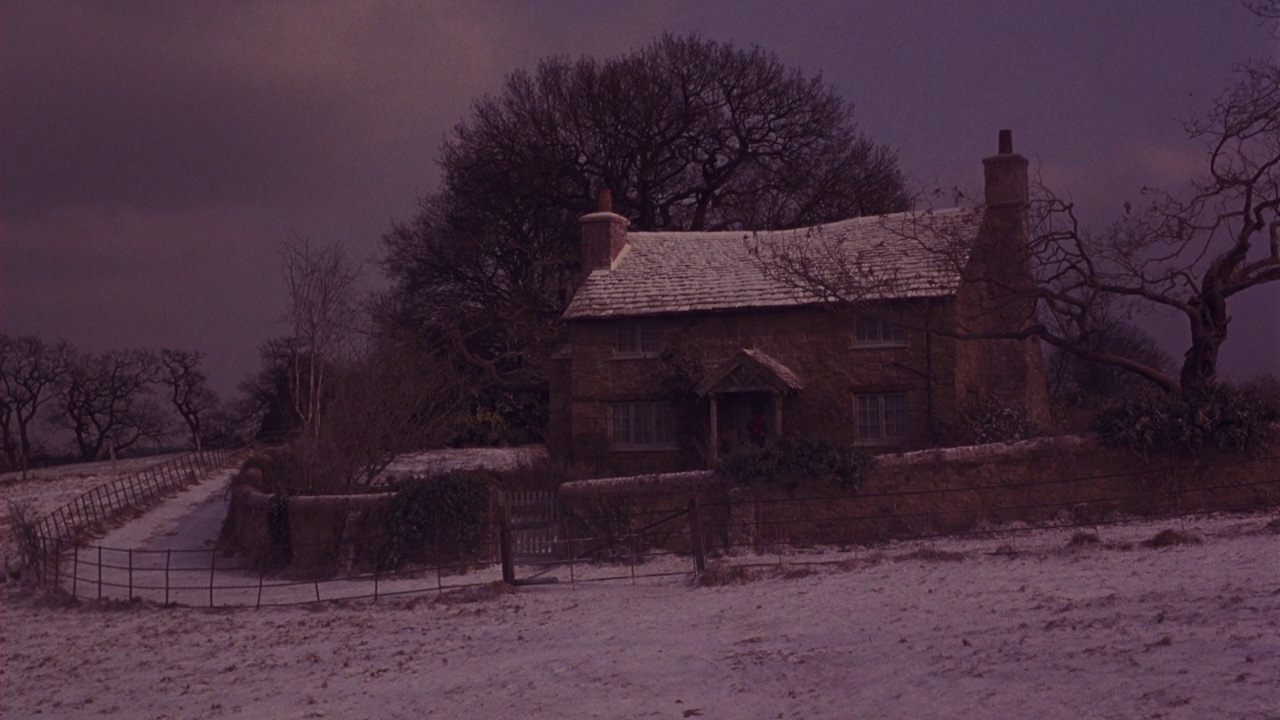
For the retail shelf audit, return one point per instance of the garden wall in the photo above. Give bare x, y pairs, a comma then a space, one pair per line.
1063, 480
309, 533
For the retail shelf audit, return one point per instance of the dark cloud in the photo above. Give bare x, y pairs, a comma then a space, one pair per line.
152, 109
154, 154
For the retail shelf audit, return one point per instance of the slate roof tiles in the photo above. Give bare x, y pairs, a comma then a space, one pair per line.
888, 256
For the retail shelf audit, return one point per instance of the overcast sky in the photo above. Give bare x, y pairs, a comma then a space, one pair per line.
155, 154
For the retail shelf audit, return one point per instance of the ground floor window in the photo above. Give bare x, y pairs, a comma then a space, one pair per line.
640, 425
882, 417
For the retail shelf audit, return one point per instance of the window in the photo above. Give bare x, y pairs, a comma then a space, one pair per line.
640, 425
637, 340
876, 331
882, 417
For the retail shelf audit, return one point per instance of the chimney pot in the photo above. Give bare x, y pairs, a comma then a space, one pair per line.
1006, 142
604, 201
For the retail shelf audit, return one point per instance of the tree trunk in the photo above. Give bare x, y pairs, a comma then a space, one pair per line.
1208, 332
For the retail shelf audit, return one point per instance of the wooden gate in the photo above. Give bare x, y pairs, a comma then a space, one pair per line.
535, 521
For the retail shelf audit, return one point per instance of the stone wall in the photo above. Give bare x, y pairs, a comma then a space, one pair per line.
1064, 480
310, 534
1054, 480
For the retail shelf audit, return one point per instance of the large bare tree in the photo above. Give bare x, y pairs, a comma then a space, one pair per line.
106, 401
1192, 254
188, 390
30, 369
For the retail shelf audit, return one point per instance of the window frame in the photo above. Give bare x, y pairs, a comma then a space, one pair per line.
642, 340
882, 333
888, 431
649, 425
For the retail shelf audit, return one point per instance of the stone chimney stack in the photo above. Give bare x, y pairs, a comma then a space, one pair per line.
1006, 176
604, 235
995, 301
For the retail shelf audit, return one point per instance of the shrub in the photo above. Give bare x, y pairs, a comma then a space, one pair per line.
281, 469
994, 421
438, 519
791, 459
1215, 417
502, 418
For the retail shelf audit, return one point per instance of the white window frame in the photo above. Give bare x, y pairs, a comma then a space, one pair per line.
637, 340
881, 418
878, 332
641, 425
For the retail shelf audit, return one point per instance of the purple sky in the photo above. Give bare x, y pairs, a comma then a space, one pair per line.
155, 154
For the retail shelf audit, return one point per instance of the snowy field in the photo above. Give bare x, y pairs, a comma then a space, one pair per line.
1017, 626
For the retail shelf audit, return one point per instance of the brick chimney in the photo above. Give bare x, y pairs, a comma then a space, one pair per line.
604, 235
994, 298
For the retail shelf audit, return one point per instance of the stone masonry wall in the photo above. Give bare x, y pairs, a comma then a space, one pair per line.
817, 344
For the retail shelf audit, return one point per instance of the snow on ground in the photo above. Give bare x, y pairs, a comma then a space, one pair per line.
923, 629
1017, 625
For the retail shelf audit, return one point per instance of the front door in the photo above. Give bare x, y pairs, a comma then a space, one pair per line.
744, 419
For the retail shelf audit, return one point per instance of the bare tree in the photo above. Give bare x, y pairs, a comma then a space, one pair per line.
1191, 255
1077, 382
383, 401
30, 368
188, 389
322, 313
105, 401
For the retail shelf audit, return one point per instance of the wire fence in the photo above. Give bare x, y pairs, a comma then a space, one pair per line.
212, 578
106, 502
639, 538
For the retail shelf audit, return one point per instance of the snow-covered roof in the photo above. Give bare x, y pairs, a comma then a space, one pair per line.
879, 257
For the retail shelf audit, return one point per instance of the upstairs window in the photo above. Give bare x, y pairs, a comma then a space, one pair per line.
882, 418
641, 426
872, 332
635, 339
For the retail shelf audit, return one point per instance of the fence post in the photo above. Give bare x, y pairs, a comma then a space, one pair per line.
168, 557
75, 568
504, 546
695, 535
130, 574
99, 572
57, 565
213, 561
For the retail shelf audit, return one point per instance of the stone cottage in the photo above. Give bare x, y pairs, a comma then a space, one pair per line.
686, 346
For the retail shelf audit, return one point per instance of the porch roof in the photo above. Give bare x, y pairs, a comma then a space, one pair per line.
751, 371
